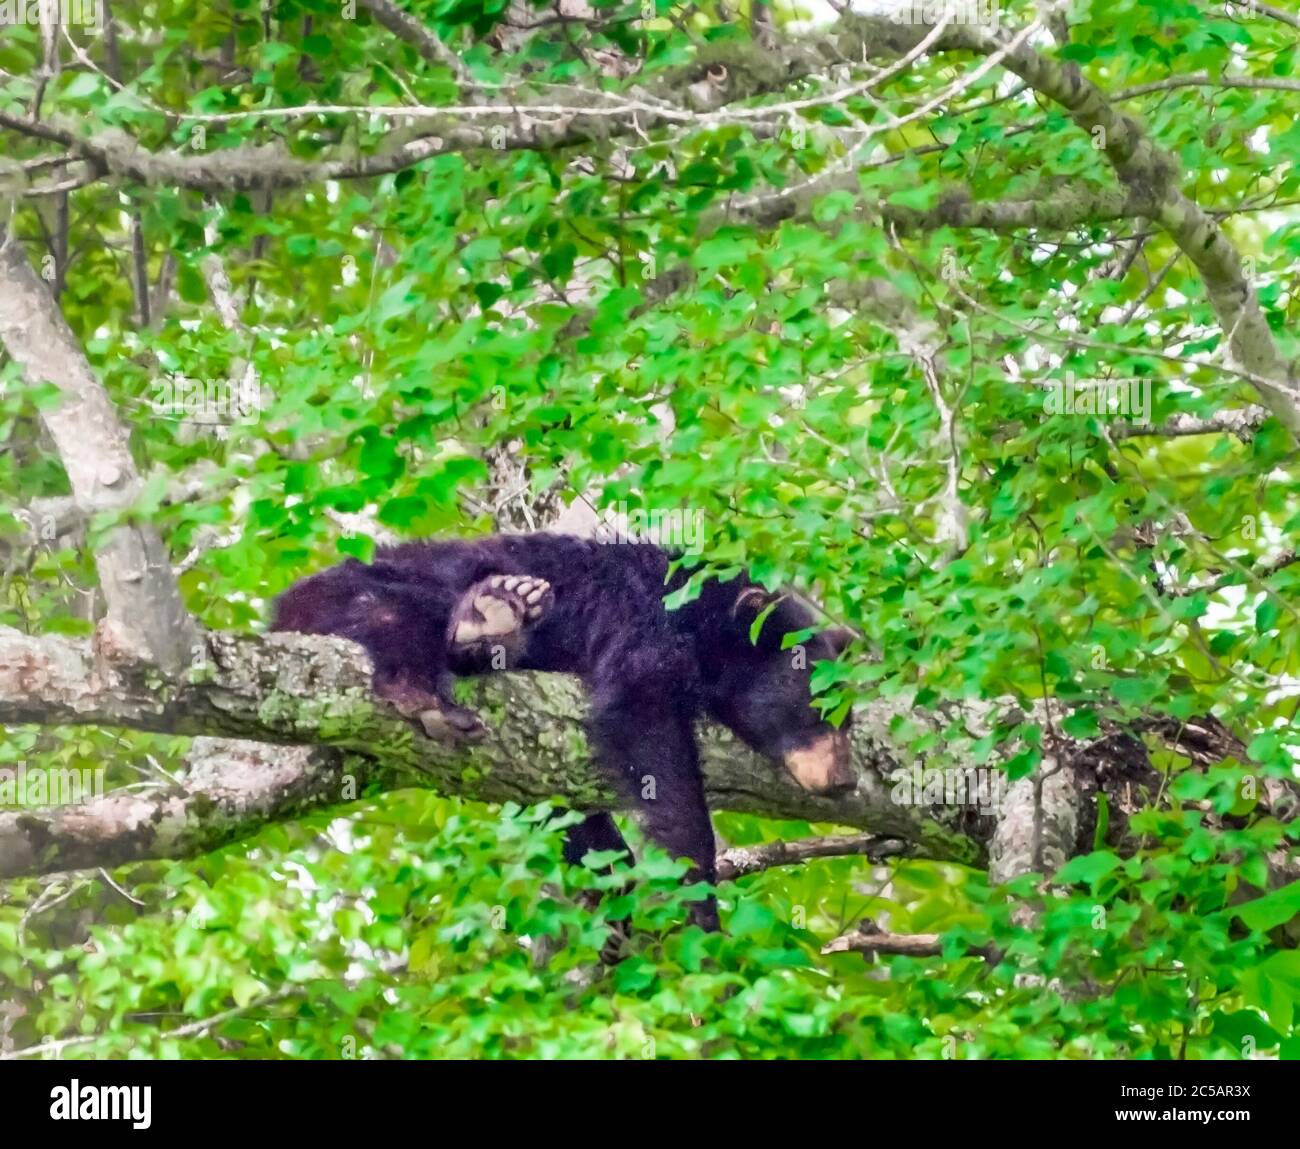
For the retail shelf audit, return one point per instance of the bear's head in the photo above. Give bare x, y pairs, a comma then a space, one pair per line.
401, 620
387, 610
762, 691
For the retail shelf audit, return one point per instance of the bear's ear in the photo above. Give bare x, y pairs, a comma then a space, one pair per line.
839, 637
751, 602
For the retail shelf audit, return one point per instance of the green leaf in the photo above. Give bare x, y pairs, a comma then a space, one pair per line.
81, 85
1273, 909
1088, 868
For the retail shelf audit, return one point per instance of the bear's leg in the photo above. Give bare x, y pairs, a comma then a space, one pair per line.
489, 624
595, 832
598, 832
651, 750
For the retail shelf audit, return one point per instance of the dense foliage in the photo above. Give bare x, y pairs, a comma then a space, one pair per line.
844, 380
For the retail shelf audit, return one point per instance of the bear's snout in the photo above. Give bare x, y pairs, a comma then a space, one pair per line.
823, 766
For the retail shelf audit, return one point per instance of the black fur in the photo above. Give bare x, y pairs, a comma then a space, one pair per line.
649, 671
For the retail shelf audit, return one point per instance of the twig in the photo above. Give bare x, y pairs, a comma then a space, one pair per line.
869, 938
738, 861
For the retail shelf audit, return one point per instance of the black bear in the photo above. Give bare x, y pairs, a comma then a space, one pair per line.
426, 612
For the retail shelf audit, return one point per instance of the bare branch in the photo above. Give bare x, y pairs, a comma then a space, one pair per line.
1265, 570
1251, 6
869, 938
1243, 423
903, 945
738, 861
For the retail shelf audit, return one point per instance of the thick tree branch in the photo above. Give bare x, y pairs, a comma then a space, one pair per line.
1038, 831
134, 571
1252, 6
517, 119
266, 166
295, 690
312, 696
868, 938
1067, 208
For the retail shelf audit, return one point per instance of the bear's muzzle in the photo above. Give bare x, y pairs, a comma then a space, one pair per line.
824, 766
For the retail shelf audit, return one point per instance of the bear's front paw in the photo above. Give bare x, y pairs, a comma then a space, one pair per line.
498, 608
439, 719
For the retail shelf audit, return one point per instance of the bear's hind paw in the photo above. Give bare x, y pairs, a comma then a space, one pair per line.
499, 607
451, 724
